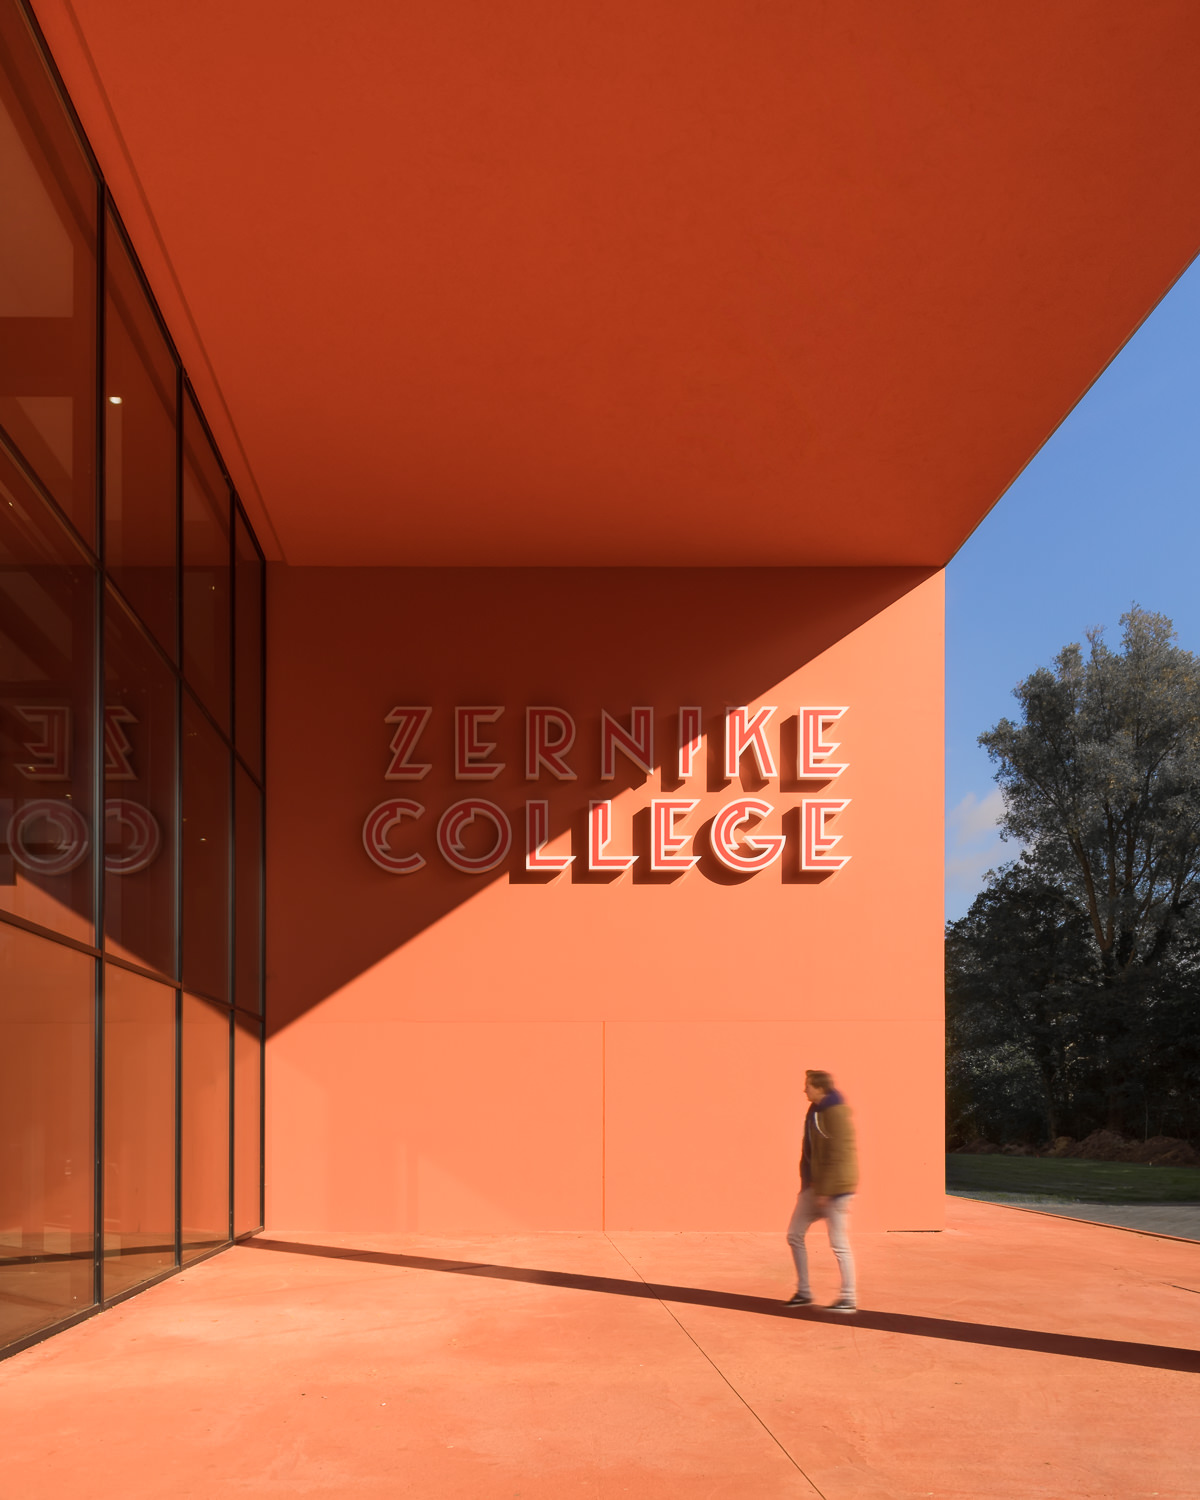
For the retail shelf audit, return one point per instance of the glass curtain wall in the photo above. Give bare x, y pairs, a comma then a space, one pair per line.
131, 758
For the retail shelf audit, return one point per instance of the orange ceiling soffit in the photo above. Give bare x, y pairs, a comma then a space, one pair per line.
655, 283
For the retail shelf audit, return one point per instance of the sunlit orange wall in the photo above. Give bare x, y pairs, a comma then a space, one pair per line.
489, 1052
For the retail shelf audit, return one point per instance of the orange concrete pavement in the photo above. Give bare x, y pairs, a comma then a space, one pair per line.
1010, 1356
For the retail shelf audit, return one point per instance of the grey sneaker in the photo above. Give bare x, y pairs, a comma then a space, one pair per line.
843, 1305
799, 1299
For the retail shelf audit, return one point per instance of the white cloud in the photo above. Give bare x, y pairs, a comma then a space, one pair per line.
973, 846
972, 818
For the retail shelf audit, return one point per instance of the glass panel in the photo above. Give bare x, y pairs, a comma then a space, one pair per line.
247, 1077
206, 588
139, 1129
248, 913
47, 1004
47, 280
248, 667
140, 523
140, 766
204, 1213
206, 872
47, 630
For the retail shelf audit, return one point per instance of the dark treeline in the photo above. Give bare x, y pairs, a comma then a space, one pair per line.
1073, 983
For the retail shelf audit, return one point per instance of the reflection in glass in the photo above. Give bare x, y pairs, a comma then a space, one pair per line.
249, 892
249, 635
140, 770
206, 587
247, 1139
47, 632
204, 1142
47, 280
172, 698
47, 1003
139, 1129
139, 448
205, 836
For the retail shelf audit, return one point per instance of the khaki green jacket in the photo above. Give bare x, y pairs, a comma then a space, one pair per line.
834, 1158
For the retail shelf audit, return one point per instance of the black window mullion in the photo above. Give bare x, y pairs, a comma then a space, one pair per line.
262, 895
98, 818
232, 1111
178, 1127
179, 387
231, 882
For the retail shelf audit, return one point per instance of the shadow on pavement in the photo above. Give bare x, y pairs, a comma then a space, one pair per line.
1114, 1351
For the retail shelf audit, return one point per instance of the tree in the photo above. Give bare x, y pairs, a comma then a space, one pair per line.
1073, 983
1102, 783
1014, 967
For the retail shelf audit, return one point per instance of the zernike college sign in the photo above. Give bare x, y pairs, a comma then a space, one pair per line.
474, 835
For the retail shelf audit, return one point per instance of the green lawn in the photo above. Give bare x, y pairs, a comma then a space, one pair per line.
1080, 1181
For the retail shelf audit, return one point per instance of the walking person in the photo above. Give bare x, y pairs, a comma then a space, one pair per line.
828, 1179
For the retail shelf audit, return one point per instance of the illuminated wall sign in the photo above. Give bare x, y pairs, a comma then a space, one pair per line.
475, 835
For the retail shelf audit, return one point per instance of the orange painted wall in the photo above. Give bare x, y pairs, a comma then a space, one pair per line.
497, 1052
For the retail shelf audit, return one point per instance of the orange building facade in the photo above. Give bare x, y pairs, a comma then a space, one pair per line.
573, 1048
477, 490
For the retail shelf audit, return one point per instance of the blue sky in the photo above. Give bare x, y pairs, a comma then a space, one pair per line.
1106, 514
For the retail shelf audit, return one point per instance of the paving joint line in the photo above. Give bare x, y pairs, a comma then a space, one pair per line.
702, 1350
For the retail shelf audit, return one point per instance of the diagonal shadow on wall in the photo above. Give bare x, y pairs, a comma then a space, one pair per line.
348, 645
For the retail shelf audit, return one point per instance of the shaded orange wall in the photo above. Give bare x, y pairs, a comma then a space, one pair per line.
500, 1052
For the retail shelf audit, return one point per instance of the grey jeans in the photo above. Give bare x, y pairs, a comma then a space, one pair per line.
837, 1215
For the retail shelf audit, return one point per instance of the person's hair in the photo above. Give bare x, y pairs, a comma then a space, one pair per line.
819, 1079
